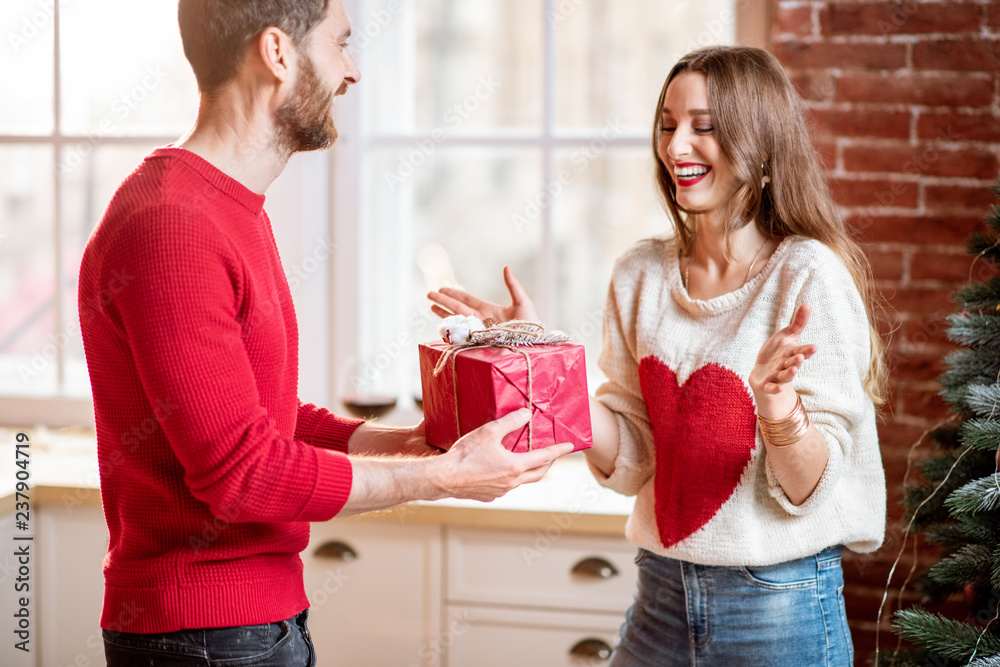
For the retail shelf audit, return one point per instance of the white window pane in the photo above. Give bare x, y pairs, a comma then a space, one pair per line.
28, 352
87, 188
450, 221
26, 59
607, 204
612, 57
123, 69
463, 67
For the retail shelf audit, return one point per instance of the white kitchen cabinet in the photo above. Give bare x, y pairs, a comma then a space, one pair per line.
375, 591
501, 637
67, 585
9, 597
72, 542
542, 597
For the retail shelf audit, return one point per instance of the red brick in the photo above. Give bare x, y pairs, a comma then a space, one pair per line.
826, 151
861, 123
925, 404
793, 20
929, 331
958, 197
921, 300
952, 90
869, 227
967, 54
959, 127
993, 15
815, 85
923, 159
886, 265
874, 193
908, 18
863, 602
940, 266
898, 438
820, 55
917, 366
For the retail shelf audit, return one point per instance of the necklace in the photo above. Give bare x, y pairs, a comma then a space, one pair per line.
687, 268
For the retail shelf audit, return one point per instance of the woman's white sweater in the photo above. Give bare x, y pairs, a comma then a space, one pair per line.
690, 448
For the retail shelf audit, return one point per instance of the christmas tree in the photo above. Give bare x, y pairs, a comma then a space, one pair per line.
957, 503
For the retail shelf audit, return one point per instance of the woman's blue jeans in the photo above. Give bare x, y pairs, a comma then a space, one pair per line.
280, 644
786, 615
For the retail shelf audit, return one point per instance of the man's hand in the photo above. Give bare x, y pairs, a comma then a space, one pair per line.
478, 467
374, 439
450, 301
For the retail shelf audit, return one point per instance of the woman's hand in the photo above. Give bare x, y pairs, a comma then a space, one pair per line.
450, 301
779, 359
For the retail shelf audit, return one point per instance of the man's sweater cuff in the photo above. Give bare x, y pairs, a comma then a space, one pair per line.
334, 476
333, 432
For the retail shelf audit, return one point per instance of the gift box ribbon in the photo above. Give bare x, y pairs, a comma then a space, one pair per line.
514, 335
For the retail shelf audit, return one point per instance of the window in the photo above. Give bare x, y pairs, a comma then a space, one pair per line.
497, 132
92, 87
483, 133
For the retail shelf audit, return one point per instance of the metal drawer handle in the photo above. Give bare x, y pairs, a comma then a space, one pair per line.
594, 567
591, 648
337, 551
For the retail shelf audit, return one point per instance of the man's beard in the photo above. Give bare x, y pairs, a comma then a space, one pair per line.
304, 122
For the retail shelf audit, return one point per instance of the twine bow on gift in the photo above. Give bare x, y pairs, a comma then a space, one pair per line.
513, 335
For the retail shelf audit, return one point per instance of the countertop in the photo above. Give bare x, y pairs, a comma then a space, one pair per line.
63, 470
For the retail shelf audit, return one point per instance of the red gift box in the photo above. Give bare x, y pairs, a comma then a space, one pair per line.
493, 381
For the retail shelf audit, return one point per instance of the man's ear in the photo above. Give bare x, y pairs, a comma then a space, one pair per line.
275, 50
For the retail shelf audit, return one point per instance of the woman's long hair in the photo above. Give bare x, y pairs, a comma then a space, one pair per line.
759, 125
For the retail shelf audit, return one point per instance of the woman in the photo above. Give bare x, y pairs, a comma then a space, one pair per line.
752, 445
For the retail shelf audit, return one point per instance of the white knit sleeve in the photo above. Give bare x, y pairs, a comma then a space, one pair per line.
622, 393
831, 383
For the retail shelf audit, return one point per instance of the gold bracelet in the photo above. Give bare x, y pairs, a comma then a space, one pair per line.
785, 432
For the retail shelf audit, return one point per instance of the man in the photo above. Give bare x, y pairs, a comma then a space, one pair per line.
211, 468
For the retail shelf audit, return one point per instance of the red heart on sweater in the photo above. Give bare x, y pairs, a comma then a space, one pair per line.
705, 434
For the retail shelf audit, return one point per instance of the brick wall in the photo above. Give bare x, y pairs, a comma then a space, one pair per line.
905, 101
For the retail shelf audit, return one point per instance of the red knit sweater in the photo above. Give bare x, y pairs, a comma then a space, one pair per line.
210, 466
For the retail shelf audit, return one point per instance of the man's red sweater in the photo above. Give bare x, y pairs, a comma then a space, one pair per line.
211, 468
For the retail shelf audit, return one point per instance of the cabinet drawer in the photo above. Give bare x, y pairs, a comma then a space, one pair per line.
489, 637
540, 569
375, 593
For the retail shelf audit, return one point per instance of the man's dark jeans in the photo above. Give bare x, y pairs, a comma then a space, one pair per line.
281, 644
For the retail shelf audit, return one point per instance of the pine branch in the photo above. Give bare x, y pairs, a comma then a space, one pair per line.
981, 434
981, 528
944, 636
974, 329
988, 661
984, 399
995, 572
968, 466
980, 495
984, 247
950, 535
971, 564
980, 295
936, 591
965, 368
